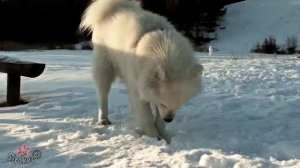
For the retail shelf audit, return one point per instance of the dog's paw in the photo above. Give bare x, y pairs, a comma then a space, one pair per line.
104, 122
167, 137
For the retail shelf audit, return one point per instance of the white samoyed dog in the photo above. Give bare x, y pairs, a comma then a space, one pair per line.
156, 62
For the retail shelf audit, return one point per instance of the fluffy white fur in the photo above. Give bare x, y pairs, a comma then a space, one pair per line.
154, 60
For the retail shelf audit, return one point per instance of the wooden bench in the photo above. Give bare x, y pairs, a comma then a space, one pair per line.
16, 68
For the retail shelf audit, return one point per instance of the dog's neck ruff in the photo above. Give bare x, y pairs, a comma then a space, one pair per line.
147, 32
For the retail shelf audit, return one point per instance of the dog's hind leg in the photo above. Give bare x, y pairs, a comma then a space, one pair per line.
103, 74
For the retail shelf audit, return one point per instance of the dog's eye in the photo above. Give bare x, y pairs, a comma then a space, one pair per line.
163, 106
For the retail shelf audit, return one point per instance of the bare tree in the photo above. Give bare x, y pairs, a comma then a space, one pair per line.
291, 43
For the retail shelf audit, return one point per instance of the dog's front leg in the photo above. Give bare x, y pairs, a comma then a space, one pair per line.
144, 116
160, 126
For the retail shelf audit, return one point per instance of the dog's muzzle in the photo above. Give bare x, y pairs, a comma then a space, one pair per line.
168, 120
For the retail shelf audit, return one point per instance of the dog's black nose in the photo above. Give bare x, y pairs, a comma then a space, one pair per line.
168, 120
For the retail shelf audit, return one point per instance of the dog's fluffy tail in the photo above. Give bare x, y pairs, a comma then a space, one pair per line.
100, 10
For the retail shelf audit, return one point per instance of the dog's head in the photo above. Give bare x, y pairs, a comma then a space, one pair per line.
170, 94
175, 76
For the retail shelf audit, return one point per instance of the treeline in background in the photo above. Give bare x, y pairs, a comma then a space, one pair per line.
55, 22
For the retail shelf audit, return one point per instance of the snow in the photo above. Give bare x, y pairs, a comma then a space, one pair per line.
251, 21
246, 116
9, 59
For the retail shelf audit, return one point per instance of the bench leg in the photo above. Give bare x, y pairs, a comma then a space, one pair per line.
13, 89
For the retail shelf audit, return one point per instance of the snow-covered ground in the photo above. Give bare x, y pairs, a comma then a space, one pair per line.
251, 21
248, 115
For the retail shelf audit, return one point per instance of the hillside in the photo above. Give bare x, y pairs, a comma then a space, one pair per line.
251, 21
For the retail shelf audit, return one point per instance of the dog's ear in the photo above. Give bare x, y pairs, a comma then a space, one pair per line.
159, 73
197, 70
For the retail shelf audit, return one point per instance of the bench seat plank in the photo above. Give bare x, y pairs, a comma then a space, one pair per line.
14, 66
